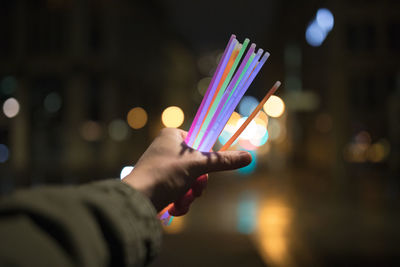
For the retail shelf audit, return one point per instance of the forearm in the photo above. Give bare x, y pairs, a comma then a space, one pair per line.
100, 224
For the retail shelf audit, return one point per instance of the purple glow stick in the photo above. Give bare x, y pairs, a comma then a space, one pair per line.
220, 123
226, 99
198, 119
232, 85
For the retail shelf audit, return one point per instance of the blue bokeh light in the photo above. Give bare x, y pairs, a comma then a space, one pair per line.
247, 105
247, 213
325, 19
315, 35
4, 154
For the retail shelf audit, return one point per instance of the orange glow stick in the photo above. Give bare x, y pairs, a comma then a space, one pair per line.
251, 117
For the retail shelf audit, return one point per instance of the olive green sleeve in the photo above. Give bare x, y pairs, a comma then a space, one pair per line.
99, 224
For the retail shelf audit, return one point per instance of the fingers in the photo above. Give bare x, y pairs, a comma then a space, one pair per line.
199, 185
220, 161
181, 207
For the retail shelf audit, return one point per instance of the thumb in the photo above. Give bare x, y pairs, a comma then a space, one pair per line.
221, 161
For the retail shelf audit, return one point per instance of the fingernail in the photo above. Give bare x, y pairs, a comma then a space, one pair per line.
244, 155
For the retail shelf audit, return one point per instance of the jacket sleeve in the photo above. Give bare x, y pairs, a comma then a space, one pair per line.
105, 223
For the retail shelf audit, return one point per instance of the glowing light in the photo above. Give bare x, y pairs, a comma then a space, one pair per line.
137, 118
274, 107
315, 35
325, 19
356, 152
224, 137
247, 105
177, 226
172, 117
376, 153
52, 102
11, 107
8, 85
231, 126
379, 151
252, 166
118, 130
319, 28
4, 153
202, 85
247, 213
125, 171
274, 222
260, 141
233, 120
262, 116
363, 137
91, 131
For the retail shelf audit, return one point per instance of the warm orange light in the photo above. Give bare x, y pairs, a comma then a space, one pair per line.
172, 117
274, 107
176, 226
137, 118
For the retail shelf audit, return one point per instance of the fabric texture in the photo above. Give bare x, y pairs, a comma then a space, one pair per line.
105, 223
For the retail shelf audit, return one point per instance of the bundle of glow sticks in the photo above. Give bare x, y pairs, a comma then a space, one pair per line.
224, 93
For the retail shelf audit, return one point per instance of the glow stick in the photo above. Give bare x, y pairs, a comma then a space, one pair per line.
232, 86
221, 89
207, 94
227, 112
164, 214
228, 95
251, 117
218, 75
214, 112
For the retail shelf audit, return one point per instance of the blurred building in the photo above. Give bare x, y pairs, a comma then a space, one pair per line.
75, 67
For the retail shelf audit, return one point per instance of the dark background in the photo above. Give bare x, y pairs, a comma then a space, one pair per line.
326, 193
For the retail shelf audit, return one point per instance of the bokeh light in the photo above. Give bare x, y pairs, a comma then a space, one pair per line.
247, 213
376, 153
52, 102
4, 153
125, 171
11, 107
315, 35
91, 131
319, 28
274, 106
363, 137
177, 226
172, 117
118, 130
202, 85
262, 116
325, 19
247, 105
274, 223
137, 118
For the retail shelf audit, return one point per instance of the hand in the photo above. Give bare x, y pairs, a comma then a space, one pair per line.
168, 168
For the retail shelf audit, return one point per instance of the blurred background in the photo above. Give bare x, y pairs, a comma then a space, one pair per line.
85, 86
